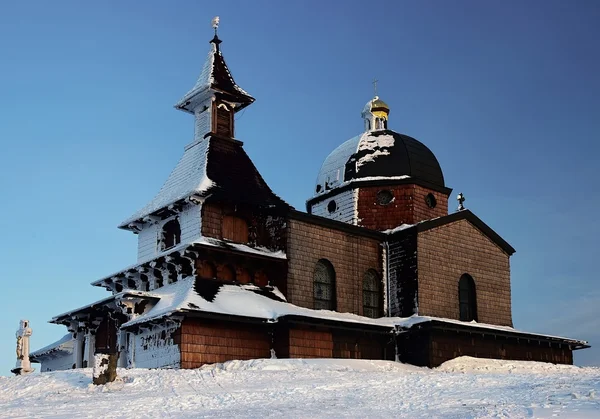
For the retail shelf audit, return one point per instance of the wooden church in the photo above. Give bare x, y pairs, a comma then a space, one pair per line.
377, 268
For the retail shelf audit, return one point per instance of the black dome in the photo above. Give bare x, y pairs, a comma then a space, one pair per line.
377, 155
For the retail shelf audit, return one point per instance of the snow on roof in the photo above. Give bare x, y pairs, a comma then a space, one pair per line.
409, 322
238, 300
207, 79
114, 297
333, 168
188, 178
399, 228
64, 344
206, 241
376, 146
245, 301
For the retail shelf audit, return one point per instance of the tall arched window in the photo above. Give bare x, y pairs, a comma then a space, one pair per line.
324, 285
371, 294
171, 234
467, 298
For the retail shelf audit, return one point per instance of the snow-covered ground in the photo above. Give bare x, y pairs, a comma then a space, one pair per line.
462, 388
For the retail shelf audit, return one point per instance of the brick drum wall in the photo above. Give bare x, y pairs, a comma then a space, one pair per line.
204, 342
350, 255
444, 254
408, 207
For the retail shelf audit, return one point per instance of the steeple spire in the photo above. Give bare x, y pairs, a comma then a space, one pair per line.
215, 97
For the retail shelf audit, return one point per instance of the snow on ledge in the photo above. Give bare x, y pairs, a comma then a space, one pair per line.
207, 241
240, 300
64, 344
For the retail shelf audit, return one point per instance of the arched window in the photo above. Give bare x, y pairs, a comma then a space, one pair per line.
371, 294
467, 298
206, 270
226, 273
243, 276
324, 285
260, 278
235, 229
171, 234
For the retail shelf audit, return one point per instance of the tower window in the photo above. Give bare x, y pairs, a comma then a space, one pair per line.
371, 294
385, 197
467, 298
206, 270
331, 206
430, 200
324, 285
235, 229
171, 234
223, 121
226, 273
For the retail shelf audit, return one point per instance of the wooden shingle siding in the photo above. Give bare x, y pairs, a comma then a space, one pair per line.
446, 253
206, 342
351, 256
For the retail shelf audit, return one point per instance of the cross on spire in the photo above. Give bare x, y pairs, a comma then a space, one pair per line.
375, 86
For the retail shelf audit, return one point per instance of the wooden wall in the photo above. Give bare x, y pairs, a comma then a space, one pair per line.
350, 255
444, 254
433, 348
207, 342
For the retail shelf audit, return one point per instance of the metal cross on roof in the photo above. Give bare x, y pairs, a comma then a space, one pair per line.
460, 198
375, 86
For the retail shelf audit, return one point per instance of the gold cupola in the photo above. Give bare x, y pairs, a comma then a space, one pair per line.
375, 113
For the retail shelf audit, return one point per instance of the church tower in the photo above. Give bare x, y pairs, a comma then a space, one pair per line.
214, 178
215, 98
380, 179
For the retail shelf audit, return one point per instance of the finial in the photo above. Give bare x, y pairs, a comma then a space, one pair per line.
375, 86
461, 198
215, 23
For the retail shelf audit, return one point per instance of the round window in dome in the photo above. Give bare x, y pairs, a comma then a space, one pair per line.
430, 200
332, 206
385, 197
318, 188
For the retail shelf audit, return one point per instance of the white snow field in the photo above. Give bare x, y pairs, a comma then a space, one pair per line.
284, 388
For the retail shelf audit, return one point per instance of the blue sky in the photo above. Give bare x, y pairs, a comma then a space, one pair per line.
506, 94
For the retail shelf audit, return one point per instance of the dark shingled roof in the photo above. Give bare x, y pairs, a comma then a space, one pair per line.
235, 177
406, 157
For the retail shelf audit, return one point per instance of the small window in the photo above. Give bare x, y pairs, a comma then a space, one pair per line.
318, 188
385, 197
226, 273
324, 286
261, 279
371, 295
235, 229
430, 200
243, 276
171, 234
332, 206
467, 298
206, 270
